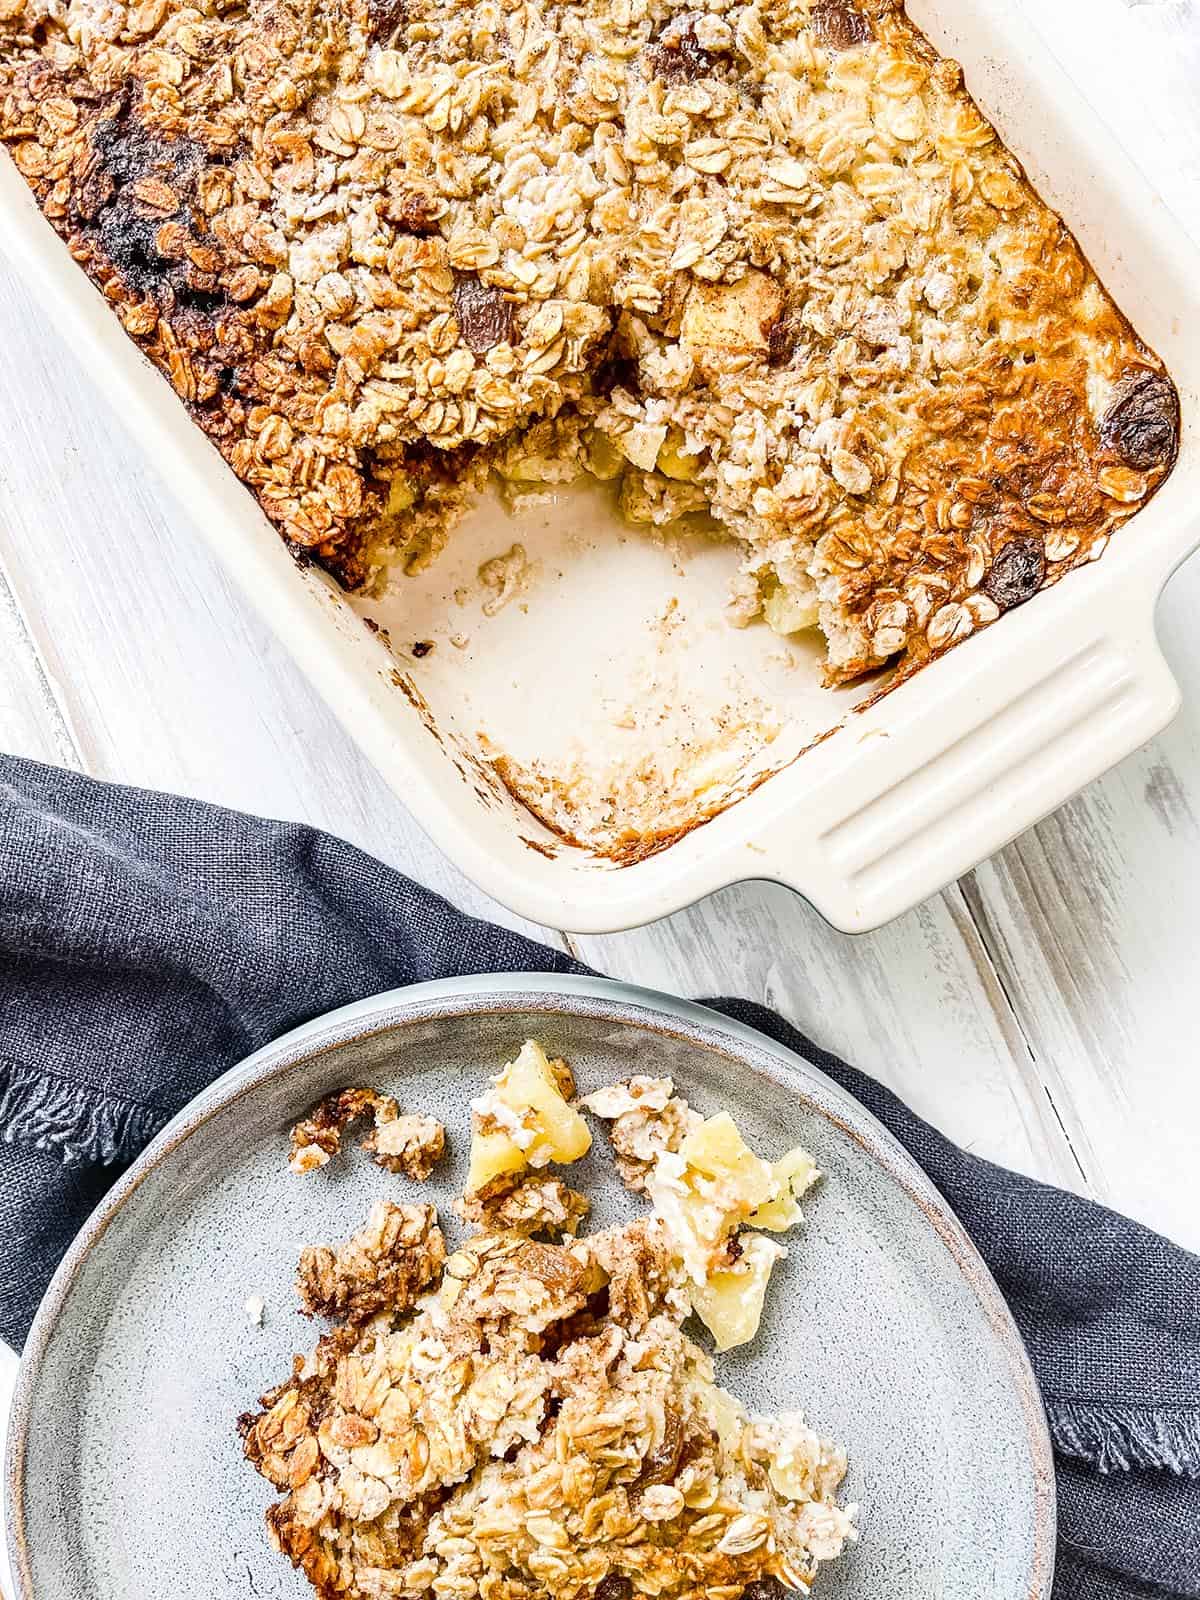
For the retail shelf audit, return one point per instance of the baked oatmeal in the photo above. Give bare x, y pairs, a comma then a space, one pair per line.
411, 1144
761, 263
528, 1417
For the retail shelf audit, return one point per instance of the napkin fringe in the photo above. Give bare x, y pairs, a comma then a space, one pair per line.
1123, 1438
78, 1123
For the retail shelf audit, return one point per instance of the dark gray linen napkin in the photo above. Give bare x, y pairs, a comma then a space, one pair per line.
148, 942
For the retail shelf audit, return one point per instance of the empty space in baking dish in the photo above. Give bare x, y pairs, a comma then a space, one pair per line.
591, 668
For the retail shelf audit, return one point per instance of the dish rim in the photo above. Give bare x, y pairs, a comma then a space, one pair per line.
570, 996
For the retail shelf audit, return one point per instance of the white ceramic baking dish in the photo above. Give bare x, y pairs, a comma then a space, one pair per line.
905, 794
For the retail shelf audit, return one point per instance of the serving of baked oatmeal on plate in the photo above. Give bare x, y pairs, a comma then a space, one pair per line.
668, 1313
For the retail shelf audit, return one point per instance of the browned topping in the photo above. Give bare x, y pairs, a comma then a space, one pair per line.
1142, 424
840, 25
539, 1419
485, 317
410, 1146
376, 276
1017, 573
389, 1262
422, 648
677, 56
514, 1428
318, 1136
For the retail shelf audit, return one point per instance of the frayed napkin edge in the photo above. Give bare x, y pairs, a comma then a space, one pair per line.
1125, 1438
76, 1123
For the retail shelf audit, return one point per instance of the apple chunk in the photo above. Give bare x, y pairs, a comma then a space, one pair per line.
730, 319
730, 1304
524, 1120
794, 1174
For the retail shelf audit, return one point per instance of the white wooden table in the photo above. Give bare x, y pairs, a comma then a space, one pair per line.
1041, 1011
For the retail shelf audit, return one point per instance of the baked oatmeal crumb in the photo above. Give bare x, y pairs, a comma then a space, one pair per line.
409, 1144
518, 1423
317, 1137
529, 1204
771, 265
396, 1255
534, 1408
646, 1117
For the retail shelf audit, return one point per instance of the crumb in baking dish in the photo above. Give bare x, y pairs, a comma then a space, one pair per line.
528, 1419
758, 262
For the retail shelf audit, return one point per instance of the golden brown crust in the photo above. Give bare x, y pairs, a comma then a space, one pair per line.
527, 1204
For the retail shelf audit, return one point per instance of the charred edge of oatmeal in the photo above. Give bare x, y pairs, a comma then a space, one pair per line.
133, 220
133, 204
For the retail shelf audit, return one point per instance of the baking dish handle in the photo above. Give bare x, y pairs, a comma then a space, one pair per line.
979, 769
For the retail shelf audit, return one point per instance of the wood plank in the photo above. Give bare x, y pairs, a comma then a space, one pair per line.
32, 723
1091, 923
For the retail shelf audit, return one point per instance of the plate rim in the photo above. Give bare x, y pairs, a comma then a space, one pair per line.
566, 994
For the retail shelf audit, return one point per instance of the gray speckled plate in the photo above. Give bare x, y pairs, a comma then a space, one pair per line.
125, 1478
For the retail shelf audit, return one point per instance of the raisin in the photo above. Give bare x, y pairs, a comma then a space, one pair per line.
839, 25
1142, 424
782, 339
384, 17
613, 1586
422, 648
1016, 574
484, 316
661, 1465
767, 1588
678, 56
